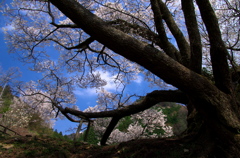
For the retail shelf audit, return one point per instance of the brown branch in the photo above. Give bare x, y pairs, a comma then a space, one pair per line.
148, 101
64, 25
165, 44
8, 129
136, 29
126, 13
218, 51
109, 130
177, 33
234, 49
50, 33
65, 113
194, 35
87, 131
84, 44
81, 46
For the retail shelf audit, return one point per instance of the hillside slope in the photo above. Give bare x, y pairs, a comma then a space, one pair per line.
50, 147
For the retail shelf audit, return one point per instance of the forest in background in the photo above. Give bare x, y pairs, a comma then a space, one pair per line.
175, 116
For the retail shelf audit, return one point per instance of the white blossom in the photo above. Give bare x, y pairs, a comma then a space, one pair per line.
143, 126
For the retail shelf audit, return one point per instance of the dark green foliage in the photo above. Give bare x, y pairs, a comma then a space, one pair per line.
5, 107
176, 117
159, 132
7, 102
59, 135
36, 123
6, 98
171, 113
124, 123
91, 138
7, 93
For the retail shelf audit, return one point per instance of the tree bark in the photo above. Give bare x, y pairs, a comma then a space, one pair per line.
146, 102
194, 35
109, 129
165, 44
87, 131
77, 134
218, 51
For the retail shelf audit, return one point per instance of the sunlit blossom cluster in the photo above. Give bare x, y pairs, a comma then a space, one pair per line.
18, 115
146, 124
41, 106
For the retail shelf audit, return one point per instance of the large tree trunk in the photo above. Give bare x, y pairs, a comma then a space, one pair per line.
207, 128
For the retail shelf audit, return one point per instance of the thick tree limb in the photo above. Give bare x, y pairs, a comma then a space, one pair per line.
159, 39
148, 101
177, 33
165, 44
218, 50
109, 130
87, 131
194, 35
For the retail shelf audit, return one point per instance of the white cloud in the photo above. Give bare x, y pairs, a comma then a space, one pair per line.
139, 79
110, 86
93, 91
109, 79
7, 28
85, 92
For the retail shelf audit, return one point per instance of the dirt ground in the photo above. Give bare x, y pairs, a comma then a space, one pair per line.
44, 147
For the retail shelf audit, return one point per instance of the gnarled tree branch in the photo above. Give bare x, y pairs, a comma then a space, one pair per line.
146, 102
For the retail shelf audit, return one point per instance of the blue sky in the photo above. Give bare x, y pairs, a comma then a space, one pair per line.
85, 98
8, 60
